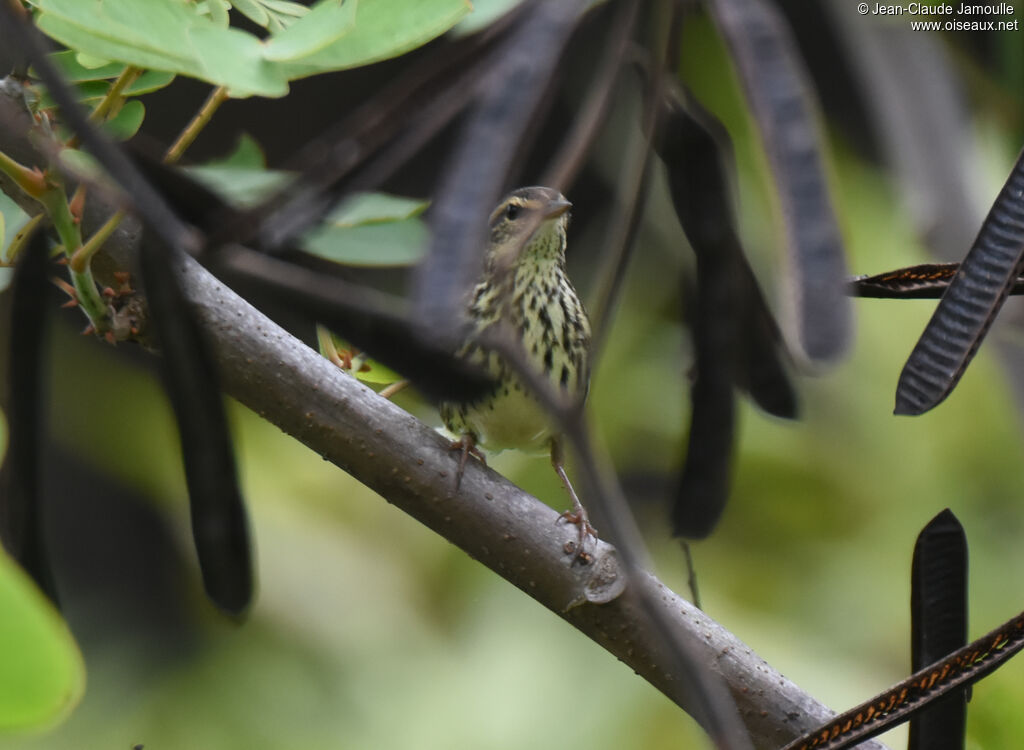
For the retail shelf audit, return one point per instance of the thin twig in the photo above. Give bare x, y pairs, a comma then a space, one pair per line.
123, 81
202, 118
81, 257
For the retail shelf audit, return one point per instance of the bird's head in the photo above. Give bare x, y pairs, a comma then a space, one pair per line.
528, 225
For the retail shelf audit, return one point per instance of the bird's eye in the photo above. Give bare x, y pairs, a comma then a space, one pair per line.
512, 211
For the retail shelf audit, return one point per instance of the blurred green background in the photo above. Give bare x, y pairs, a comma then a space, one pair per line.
371, 632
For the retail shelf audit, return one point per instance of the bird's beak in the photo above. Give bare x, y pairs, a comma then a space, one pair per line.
556, 207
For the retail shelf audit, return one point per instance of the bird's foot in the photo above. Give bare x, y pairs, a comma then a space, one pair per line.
578, 515
466, 446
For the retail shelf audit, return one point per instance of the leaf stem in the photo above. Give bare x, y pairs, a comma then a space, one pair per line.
92, 303
127, 78
113, 96
80, 258
217, 97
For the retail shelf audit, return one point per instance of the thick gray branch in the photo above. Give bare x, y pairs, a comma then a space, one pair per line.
494, 521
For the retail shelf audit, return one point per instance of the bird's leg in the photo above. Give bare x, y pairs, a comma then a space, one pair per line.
465, 445
578, 514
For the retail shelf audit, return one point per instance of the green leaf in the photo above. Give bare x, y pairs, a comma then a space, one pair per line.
370, 208
274, 24
167, 35
149, 81
363, 368
324, 25
126, 122
218, 12
233, 58
371, 371
485, 12
151, 35
240, 186
383, 29
371, 229
89, 92
246, 154
74, 69
43, 675
253, 11
15, 218
176, 37
285, 8
88, 61
387, 243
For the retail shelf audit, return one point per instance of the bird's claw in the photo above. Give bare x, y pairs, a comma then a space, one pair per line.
465, 445
578, 516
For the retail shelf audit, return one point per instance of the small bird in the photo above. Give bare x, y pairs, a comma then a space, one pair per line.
525, 285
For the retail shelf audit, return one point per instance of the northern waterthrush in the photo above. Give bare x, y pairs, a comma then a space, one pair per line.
525, 286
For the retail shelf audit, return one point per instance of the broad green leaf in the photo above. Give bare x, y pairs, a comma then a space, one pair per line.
485, 12
126, 122
285, 8
387, 243
218, 12
42, 675
325, 24
72, 66
247, 153
149, 81
369, 229
155, 34
167, 35
233, 58
370, 208
284, 13
90, 92
88, 61
253, 11
175, 36
383, 29
240, 187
